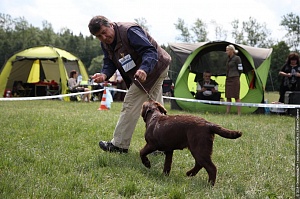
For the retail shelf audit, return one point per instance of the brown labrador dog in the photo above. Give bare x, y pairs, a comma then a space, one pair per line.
170, 132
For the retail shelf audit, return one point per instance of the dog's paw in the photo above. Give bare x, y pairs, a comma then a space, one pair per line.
190, 173
166, 173
147, 164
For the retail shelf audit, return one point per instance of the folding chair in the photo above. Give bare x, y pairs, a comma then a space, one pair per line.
167, 88
18, 89
52, 90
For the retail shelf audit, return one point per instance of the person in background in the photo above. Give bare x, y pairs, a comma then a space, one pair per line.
208, 88
119, 96
143, 65
75, 87
232, 84
290, 73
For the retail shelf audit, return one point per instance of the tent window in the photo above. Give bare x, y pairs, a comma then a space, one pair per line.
213, 61
71, 65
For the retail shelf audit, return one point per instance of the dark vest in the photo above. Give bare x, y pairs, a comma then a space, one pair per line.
212, 82
123, 48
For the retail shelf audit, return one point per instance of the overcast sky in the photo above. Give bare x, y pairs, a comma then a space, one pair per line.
160, 14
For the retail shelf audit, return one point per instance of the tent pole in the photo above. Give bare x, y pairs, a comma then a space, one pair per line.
271, 80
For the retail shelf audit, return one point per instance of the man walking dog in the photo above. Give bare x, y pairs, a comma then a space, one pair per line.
142, 63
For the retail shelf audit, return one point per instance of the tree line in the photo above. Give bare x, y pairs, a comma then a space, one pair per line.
17, 34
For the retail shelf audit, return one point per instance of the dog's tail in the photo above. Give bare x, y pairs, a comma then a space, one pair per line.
223, 132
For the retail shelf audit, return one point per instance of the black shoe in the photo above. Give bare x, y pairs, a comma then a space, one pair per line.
108, 146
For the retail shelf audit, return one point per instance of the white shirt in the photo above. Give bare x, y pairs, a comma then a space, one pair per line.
119, 77
207, 92
72, 83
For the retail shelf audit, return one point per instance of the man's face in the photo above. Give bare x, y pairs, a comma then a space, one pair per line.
206, 77
106, 34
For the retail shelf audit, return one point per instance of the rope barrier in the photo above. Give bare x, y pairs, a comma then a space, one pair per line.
262, 105
238, 103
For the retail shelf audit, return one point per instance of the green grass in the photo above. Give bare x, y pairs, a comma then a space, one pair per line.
49, 149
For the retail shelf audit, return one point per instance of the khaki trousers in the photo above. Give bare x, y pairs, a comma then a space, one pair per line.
131, 111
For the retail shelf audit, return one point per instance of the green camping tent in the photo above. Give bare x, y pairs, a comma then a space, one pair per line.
44, 63
199, 57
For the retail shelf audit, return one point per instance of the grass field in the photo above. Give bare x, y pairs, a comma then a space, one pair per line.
49, 149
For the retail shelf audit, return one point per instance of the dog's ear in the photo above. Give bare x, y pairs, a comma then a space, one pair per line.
144, 110
161, 108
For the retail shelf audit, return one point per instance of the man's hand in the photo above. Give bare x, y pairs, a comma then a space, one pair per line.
99, 77
141, 75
